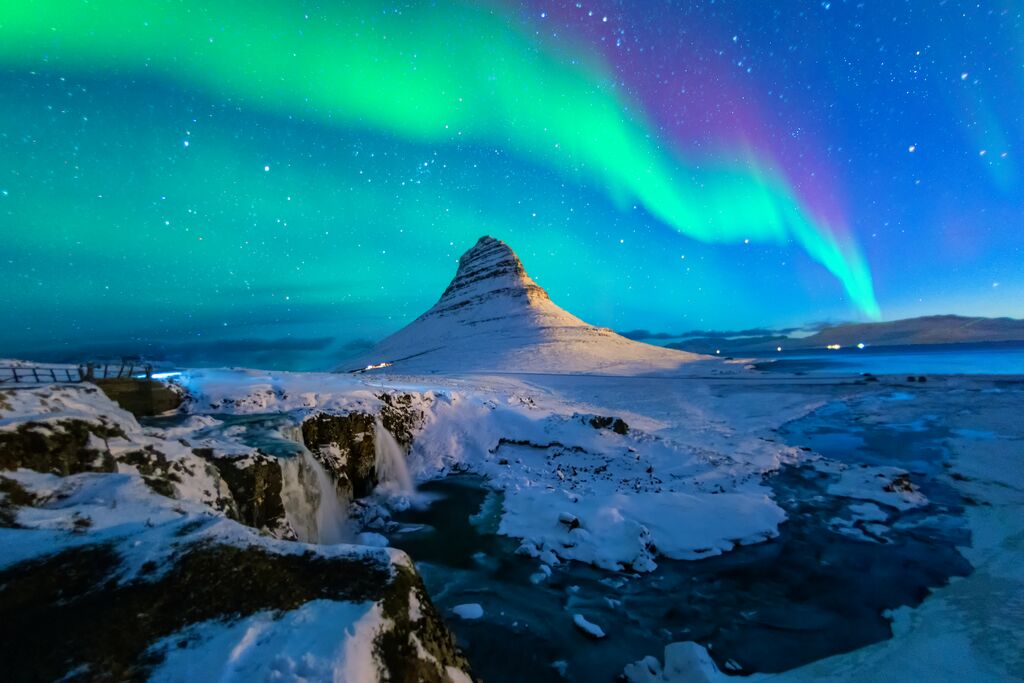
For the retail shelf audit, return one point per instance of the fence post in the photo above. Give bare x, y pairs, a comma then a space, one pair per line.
14, 373
35, 374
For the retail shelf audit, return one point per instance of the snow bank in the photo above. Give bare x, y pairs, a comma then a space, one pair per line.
685, 662
320, 642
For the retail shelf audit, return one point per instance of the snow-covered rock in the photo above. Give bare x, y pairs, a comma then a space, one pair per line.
179, 544
685, 662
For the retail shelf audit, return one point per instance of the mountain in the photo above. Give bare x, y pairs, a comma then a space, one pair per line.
932, 329
494, 318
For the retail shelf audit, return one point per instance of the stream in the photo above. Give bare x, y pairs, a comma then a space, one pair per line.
808, 594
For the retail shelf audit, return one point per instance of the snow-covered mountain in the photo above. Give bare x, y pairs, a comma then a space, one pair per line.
494, 318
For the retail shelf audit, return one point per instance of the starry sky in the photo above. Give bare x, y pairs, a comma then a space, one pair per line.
281, 182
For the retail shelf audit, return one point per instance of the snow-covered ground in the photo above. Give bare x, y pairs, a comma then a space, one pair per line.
618, 472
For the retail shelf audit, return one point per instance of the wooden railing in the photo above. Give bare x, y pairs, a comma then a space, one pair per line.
42, 374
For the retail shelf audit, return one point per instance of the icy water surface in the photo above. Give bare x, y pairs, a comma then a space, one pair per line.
769, 607
997, 358
808, 594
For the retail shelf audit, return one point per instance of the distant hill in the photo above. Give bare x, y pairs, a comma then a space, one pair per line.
932, 329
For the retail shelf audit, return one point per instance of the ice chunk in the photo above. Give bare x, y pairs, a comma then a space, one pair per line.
469, 610
588, 627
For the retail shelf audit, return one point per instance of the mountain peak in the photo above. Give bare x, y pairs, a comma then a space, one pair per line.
493, 317
490, 269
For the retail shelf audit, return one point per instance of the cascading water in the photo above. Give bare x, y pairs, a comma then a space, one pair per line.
312, 505
389, 459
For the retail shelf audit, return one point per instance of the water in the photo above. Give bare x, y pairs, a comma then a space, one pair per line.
389, 460
315, 510
997, 358
809, 594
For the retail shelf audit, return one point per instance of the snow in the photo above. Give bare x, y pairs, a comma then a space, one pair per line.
685, 662
51, 404
321, 641
493, 317
588, 627
879, 485
469, 610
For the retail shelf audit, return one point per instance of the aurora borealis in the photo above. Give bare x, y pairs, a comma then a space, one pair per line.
297, 177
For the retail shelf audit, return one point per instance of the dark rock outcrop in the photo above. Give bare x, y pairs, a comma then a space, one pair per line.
255, 484
616, 424
344, 444
400, 417
141, 397
352, 460
12, 496
64, 447
105, 628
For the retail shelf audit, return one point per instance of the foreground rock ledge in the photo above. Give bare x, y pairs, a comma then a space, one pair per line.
122, 552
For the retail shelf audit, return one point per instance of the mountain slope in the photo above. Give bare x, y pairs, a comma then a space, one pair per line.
494, 318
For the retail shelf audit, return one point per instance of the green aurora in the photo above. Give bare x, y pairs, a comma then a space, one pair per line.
450, 73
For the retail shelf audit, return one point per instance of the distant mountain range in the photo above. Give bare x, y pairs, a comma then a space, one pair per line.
932, 329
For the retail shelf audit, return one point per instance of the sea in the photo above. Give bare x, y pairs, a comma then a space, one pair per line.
991, 358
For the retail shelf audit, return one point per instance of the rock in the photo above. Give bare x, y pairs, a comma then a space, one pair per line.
64, 447
344, 445
107, 628
900, 484
401, 417
12, 496
255, 484
616, 424
141, 397
568, 519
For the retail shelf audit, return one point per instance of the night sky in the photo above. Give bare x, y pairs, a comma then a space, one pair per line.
281, 182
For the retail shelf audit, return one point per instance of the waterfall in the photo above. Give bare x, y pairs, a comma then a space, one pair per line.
312, 505
389, 459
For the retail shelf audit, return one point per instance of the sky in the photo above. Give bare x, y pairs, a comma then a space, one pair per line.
283, 182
